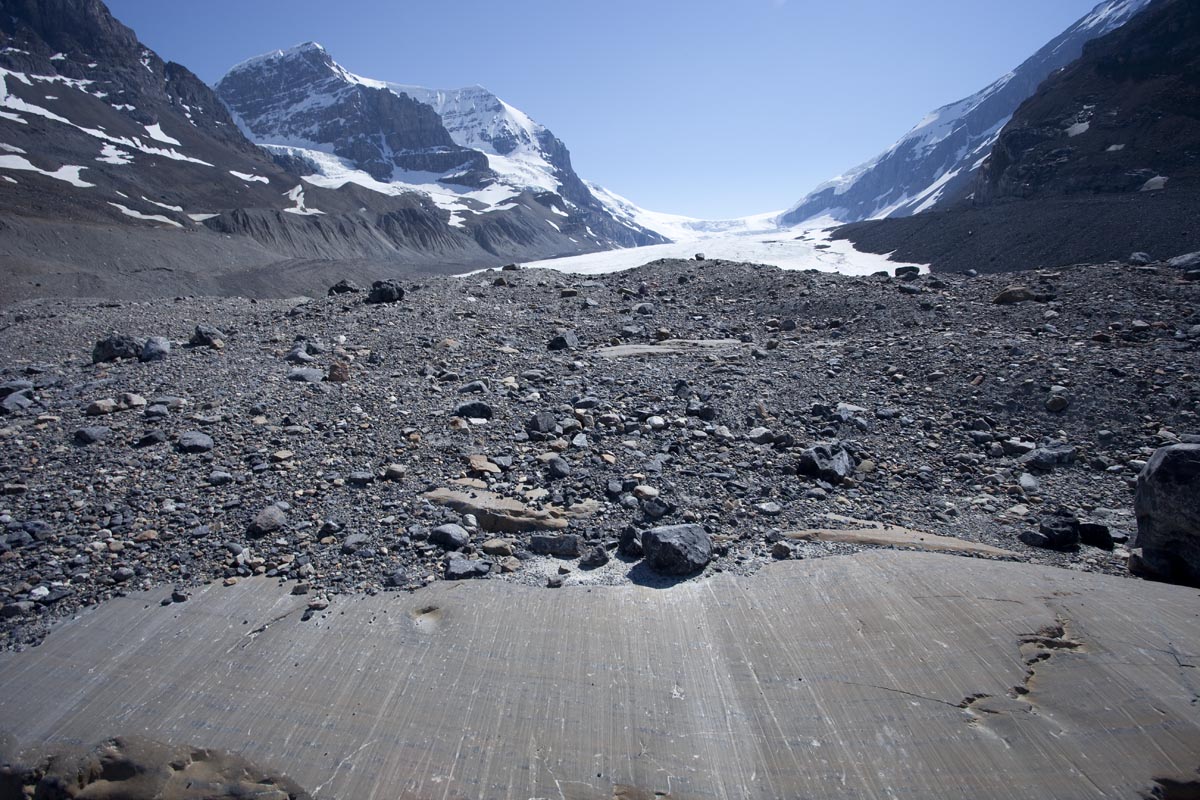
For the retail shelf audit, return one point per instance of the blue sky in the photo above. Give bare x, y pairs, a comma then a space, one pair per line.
711, 108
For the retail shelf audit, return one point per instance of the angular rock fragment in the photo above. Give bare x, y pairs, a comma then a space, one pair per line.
677, 549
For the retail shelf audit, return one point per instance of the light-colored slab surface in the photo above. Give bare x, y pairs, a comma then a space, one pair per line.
669, 347
880, 675
895, 536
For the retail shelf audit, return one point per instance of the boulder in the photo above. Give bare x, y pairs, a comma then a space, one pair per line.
677, 549
1167, 505
344, 286
1186, 261
1055, 532
114, 347
385, 292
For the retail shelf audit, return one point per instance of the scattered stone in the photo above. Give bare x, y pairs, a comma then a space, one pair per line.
207, 336
594, 558
542, 422
355, 542
339, 372
269, 520
306, 375
564, 341
194, 442
92, 434
458, 569
476, 409
99, 408
450, 537
498, 547
565, 546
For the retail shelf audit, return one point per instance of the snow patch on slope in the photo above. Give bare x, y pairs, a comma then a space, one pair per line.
129, 212
67, 174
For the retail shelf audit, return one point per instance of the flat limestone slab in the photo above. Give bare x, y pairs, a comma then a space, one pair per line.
879, 675
669, 347
895, 536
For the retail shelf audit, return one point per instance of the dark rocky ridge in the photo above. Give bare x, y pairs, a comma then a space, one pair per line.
1127, 112
956, 137
918, 403
1076, 176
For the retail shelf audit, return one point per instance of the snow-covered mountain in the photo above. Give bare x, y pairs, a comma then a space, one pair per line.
937, 160
467, 149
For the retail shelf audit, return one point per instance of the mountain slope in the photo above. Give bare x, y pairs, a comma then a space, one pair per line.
936, 161
1103, 161
469, 151
122, 175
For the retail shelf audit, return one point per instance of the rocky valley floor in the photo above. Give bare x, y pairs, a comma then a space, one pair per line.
526, 425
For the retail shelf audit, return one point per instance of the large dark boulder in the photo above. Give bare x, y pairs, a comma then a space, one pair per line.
385, 292
1168, 516
677, 549
115, 346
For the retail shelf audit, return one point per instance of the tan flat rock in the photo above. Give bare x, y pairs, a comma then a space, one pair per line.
668, 347
498, 513
895, 536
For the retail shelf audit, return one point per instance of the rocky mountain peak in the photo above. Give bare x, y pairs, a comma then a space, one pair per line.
301, 97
